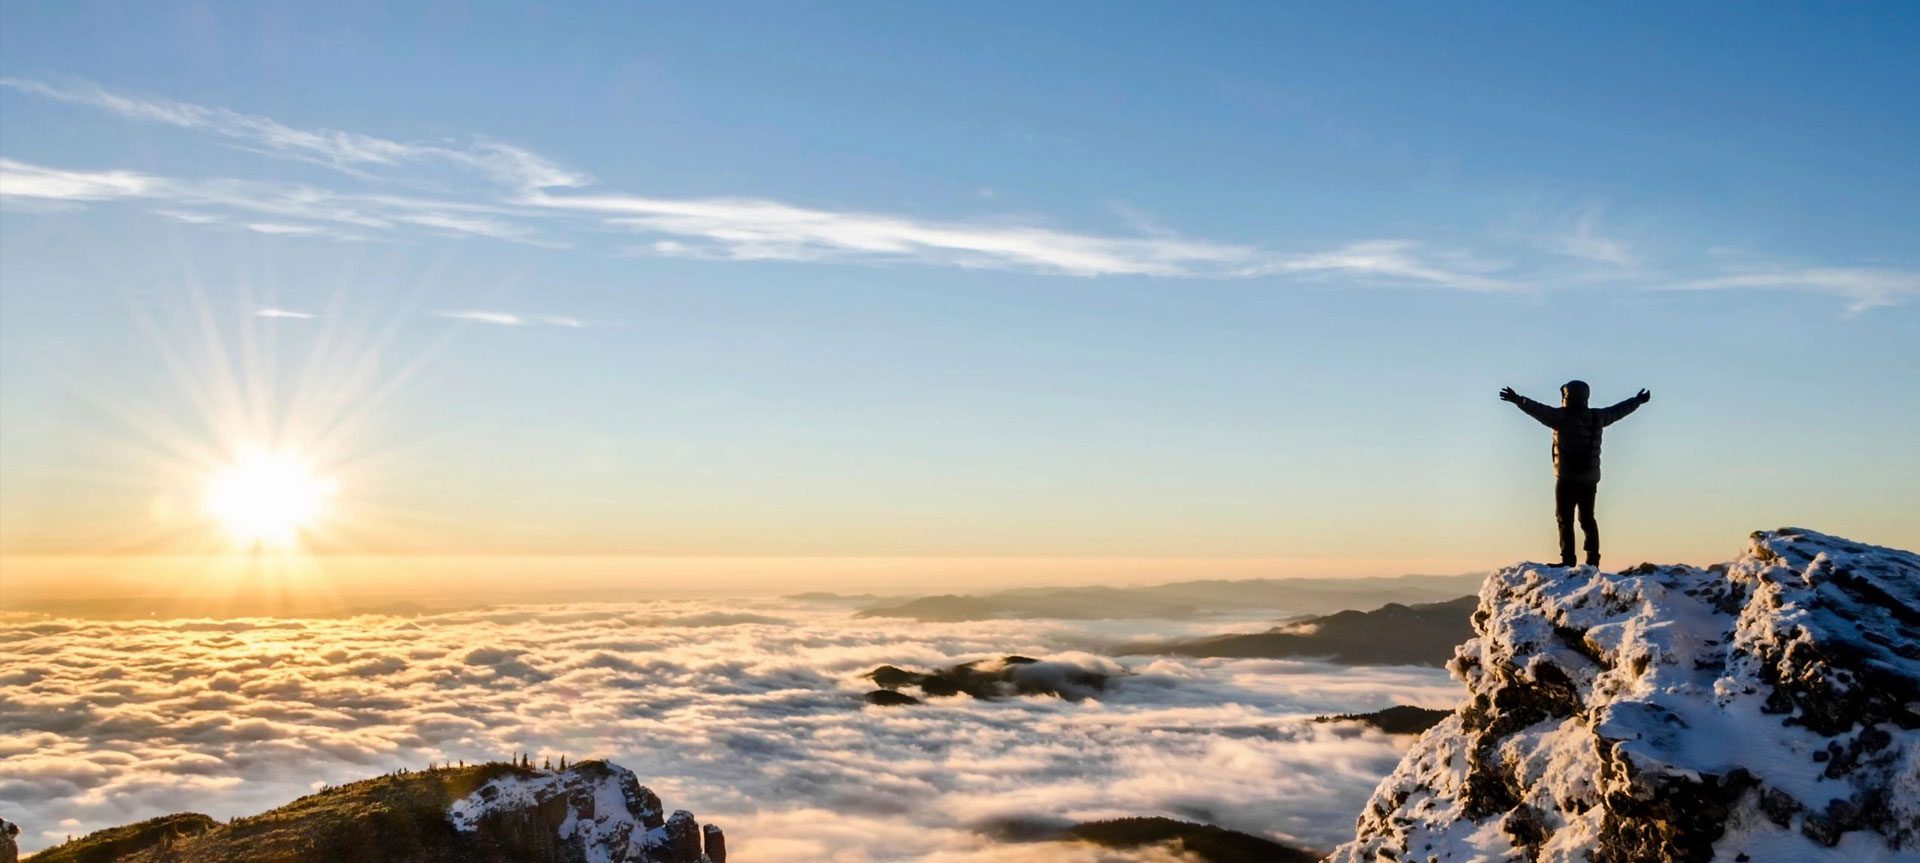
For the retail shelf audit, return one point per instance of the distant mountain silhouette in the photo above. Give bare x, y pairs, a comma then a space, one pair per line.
841, 598
1392, 634
1182, 599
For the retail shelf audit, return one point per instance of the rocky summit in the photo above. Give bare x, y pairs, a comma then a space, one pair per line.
1766, 709
592, 812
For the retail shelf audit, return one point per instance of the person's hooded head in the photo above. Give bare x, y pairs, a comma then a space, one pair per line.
1574, 394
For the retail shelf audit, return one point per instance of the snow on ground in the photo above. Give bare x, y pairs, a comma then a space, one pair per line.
1770, 709
608, 811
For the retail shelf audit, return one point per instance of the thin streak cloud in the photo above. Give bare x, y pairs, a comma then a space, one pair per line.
291, 209
508, 319
756, 229
19, 179
518, 193
1867, 287
1399, 261
350, 151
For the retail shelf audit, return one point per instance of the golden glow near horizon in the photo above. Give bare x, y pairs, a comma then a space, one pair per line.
255, 448
268, 499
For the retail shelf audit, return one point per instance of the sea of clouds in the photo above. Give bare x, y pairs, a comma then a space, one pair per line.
748, 713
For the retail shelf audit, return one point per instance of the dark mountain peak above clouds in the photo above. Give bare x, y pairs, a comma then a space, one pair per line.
987, 679
1174, 839
1393, 634
1182, 599
592, 812
1763, 710
1398, 719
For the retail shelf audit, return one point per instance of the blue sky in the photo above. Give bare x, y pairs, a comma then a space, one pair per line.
905, 279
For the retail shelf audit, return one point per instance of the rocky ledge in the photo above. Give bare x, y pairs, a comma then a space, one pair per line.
1767, 709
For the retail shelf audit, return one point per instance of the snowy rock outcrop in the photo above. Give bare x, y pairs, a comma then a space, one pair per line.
1763, 710
599, 808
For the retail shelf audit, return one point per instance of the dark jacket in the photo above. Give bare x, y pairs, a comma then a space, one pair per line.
1576, 434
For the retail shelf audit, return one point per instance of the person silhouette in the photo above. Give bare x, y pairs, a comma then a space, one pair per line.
1576, 457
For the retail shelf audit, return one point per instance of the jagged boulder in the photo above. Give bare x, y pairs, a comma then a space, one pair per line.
1763, 710
678, 842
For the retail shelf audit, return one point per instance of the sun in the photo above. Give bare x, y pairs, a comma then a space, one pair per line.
268, 499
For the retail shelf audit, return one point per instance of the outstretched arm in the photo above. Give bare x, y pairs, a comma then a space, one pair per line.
1616, 413
1545, 414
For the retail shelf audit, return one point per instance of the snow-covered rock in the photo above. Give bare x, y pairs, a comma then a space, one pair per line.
599, 808
1763, 710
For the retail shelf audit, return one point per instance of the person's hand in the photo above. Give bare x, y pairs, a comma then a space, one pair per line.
1644, 396
1508, 395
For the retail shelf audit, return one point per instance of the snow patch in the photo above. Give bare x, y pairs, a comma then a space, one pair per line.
603, 810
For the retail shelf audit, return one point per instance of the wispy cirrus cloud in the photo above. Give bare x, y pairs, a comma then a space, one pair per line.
753, 229
757, 229
1588, 241
290, 209
1398, 261
189, 216
1866, 287
519, 192
20, 179
509, 319
348, 151
272, 312
737, 229
285, 229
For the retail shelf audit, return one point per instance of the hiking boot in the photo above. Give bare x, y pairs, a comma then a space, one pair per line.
1593, 560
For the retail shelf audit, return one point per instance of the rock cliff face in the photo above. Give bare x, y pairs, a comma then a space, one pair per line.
1763, 710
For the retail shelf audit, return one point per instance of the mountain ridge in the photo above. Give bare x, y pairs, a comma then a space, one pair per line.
590, 812
1180, 599
1393, 634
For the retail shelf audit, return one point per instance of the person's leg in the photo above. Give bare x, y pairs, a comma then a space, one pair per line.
1589, 522
1564, 498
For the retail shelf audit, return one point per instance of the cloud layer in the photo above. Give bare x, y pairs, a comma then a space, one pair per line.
750, 716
